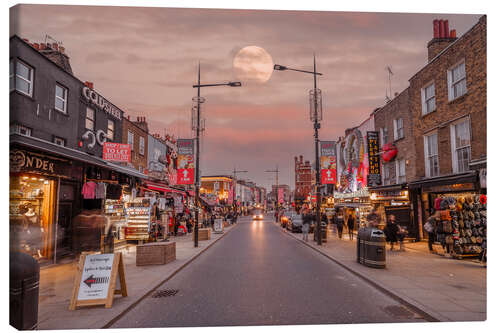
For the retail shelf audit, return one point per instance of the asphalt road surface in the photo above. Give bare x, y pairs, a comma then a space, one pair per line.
257, 275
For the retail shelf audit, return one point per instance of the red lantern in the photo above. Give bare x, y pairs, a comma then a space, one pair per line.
390, 152
482, 199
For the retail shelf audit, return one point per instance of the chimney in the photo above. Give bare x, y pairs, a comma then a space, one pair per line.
442, 37
301, 159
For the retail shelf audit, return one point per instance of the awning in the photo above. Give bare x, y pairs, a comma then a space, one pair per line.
397, 187
462, 178
162, 187
52, 148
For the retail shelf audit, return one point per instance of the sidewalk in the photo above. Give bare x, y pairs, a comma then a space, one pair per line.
444, 288
56, 284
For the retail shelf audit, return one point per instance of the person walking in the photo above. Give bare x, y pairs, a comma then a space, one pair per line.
340, 226
212, 221
402, 233
391, 231
430, 227
350, 226
306, 221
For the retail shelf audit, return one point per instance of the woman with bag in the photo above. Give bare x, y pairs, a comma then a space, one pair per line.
430, 227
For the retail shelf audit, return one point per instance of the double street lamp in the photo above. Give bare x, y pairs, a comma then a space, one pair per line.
316, 113
200, 100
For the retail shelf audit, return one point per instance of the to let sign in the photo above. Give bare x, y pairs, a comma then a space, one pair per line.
116, 152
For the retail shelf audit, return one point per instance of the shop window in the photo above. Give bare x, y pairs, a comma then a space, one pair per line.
431, 155
24, 78
141, 145
90, 119
59, 141
61, 100
130, 140
457, 85
460, 144
31, 215
111, 130
428, 94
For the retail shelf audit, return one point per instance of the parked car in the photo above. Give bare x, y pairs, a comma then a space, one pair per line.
295, 223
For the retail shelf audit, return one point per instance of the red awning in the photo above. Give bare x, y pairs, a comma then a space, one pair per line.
162, 187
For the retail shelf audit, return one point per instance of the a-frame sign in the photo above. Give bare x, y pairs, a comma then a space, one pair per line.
98, 279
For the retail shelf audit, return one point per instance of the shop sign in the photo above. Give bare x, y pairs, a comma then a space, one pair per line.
386, 195
185, 161
452, 188
116, 152
21, 161
281, 195
101, 103
356, 194
374, 177
328, 161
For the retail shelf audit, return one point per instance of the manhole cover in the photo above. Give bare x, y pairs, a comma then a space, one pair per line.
398, 311
165, 293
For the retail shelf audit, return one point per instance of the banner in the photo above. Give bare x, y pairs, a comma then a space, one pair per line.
328, 162
230, 195
281, 195
374, 177
185, 161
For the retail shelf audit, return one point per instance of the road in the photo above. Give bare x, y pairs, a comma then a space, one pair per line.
257, 275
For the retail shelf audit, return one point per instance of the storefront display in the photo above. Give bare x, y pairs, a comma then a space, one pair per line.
138, 217
115, 211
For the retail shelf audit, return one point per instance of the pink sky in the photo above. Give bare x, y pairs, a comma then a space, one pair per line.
145, 60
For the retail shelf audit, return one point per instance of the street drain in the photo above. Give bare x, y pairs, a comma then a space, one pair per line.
165, 293
398, 311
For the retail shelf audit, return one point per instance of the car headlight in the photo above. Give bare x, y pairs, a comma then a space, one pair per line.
255, 216
261, 216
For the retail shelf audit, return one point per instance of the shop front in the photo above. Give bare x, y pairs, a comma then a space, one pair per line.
355, 204
41, 185
394, 200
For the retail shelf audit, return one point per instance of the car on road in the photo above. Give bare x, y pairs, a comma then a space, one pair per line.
257, 215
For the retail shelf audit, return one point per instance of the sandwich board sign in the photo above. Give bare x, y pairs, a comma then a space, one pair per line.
218, 226
98, 279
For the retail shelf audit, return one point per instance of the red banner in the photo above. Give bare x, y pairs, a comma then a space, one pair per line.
185, 176
281, 195
328, 176
185, 162
116, 152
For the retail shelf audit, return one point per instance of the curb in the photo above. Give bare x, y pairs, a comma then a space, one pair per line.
410, 304
147, 294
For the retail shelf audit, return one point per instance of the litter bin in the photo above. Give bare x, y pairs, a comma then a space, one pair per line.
23, 293
323, 232
360, 245
373, 248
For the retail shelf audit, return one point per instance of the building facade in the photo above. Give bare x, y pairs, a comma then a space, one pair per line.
135, 133
304, 178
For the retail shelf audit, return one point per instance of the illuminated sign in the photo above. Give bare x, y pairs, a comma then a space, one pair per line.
374, 177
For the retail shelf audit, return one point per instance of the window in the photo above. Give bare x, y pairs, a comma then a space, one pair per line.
59, 141
90, 119
24, 78
61, 98
431, 155
401, 171
130, 140
20, 129
384, 135
398, 129
12, 79
460, 145
141, 145
386, 171
457, 85
428, 94
111, 130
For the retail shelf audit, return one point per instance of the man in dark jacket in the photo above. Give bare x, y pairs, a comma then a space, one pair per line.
340, 226
350, 226
391, 231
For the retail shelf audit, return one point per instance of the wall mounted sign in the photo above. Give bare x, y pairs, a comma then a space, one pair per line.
374, 177
328, 161
98, 137
101, 103
23, 161
356, 194
98, 279
185, 161
116, 152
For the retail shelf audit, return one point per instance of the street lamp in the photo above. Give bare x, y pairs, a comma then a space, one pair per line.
316, 113
197, 170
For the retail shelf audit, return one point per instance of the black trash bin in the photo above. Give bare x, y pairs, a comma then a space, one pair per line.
374, 248
360, 245
24, 280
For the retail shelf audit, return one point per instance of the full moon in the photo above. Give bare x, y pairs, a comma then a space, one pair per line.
253, 64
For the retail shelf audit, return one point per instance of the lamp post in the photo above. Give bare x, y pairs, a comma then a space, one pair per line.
197, 170
316, 116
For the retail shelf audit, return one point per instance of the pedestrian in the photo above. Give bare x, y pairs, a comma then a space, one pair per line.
350, 226
177, 223
430, 227
340, 226
212, 220
402, 233
391, 231
306, 221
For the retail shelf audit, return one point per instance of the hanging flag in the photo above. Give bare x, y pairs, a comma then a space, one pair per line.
185, 161
328, 162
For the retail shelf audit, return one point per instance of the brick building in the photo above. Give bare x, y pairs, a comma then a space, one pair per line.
304, 178
135, 133
447, 99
